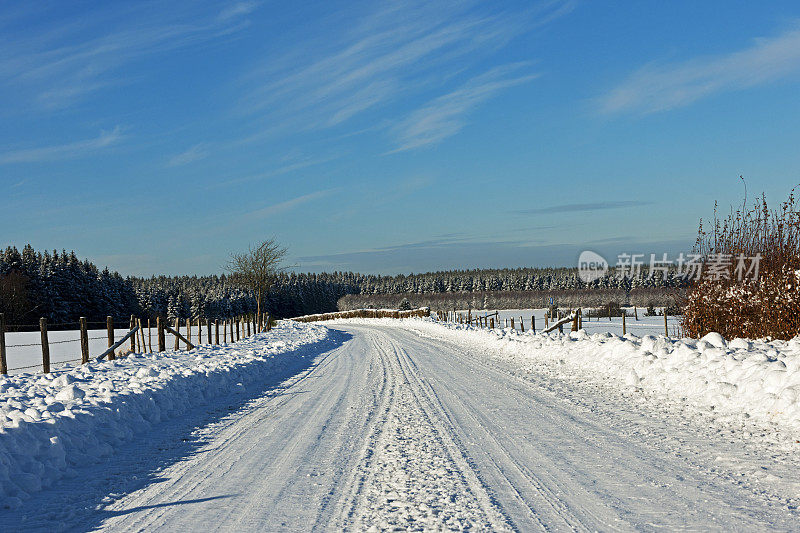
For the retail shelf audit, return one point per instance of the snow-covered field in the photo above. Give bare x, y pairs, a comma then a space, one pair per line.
382, 425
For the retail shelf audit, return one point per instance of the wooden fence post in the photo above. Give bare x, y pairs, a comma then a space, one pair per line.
512, 322
189, 330
162, 341
133, 337
521, 325
624, 329
533, 323
178, 329
216, 327
3, 362
149, 337
247, 321
84, 341
225, 331
208, 330
45, 346
110, 329
141, 334
666, 330
491, 322
238, 323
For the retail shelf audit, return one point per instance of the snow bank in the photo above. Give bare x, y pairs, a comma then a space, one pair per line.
52, 422
756, 379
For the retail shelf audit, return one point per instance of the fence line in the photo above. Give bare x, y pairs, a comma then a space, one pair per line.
136, 336
554, 316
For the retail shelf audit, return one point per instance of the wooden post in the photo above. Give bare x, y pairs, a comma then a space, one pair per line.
512, 322
3, 362
230, 323
141, 334
247, 321
149, 337
84, 341
546, 319
178, 329
491, 323
575, 321
45, 346
666, 330
208, 330
216, 327
635, 313
238, 331
133, 337
521, 324
225, 331
110, 329
189, 330
199, 331
624, 329
162, 341
533, 323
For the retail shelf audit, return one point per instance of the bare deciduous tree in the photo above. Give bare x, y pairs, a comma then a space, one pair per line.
257, 268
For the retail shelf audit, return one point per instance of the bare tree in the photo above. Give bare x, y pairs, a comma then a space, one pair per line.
257, 268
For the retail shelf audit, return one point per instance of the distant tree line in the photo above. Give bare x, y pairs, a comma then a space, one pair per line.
62, 288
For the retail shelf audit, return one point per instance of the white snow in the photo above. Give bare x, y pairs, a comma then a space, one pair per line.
409, 425
51, 423
749, 378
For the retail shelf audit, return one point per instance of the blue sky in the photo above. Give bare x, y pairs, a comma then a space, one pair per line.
157, 137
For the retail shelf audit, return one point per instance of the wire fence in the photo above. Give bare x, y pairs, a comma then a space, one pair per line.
669, 325
140, 335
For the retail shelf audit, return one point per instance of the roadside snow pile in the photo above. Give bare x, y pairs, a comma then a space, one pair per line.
52, 422
741, 377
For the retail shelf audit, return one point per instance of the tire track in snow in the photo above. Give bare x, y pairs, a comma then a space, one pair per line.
417, 479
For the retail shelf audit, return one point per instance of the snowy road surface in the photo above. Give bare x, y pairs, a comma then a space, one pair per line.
394, 428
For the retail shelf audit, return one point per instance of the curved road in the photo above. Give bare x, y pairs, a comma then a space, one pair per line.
394, 429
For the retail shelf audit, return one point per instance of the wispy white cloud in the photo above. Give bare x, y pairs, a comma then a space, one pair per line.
660, 87
195, 153
62, 151
59, 66
237, 10
279, 171
390, 55
445, 115
288, 205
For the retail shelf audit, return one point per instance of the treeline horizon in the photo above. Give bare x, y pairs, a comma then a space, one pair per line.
62, 287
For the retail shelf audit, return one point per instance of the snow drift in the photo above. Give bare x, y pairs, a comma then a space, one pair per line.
758, 379
50, 423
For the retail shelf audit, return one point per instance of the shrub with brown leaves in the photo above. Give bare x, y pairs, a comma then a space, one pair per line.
739, 302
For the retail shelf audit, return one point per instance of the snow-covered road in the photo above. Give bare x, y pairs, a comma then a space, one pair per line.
397, 428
